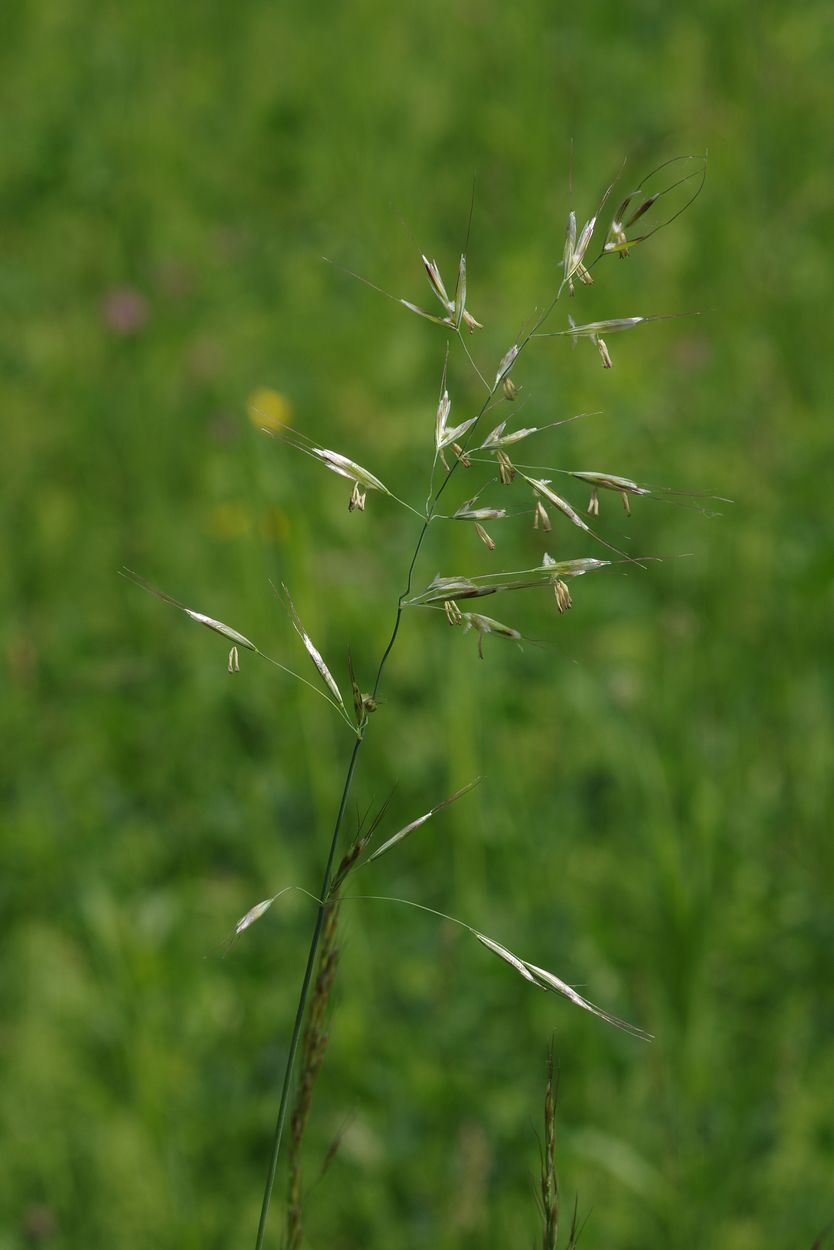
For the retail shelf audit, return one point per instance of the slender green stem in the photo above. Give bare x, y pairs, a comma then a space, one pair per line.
302, 999
346, 788
323, 894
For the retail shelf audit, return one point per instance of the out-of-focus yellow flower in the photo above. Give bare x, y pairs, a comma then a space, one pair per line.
269, 409
275, 526
229, 521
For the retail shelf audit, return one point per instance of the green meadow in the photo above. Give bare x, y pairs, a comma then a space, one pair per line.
654, 821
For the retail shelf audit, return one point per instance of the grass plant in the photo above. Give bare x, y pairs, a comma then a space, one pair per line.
459, 449
654, 820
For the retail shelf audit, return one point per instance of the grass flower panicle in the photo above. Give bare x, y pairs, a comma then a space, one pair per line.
446, 594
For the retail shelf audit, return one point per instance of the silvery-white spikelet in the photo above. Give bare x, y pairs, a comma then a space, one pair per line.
609, 481
493, 439
545, 980
254, 914
569, 249
549, 981
457, 432
313, 652
575, 249
508, 957
456, 312
436, 282
421, 312
572, 568
499, 438
542, 487
570, 245
446, 436
592, 329
460, 294
441, 588
220, 628
337, 463
234, 661
444, 407
454, 588
421, 820
488, 625
506, 363
484, 625
466, 512
210, 623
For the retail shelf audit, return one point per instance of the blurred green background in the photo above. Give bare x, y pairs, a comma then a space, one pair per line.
654, 822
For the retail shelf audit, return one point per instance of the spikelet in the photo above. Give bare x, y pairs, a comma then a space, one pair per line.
506, 363
455, 310
542, 979
574, 251
498, 438
467, 513
209, 622
484, 625
542, 487
609, 481
617, 240
254, 913
421, 820
573, 568
337, 463
314, 653
445, 435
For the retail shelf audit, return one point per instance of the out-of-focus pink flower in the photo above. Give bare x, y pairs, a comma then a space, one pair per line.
124, 311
